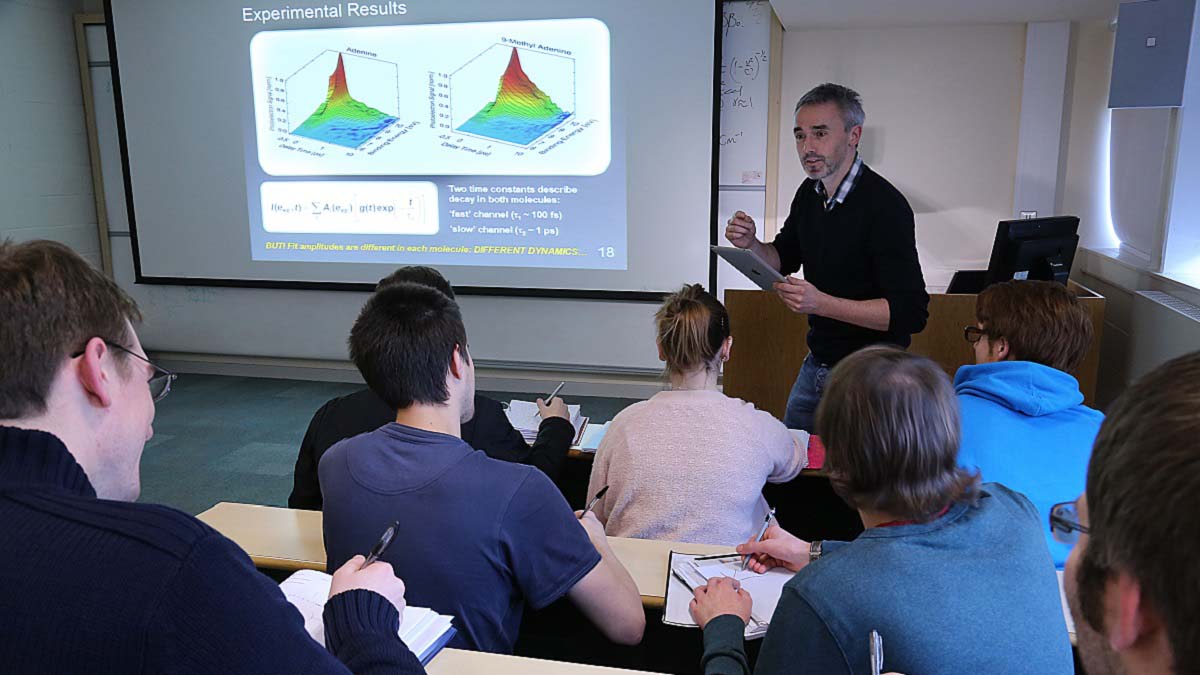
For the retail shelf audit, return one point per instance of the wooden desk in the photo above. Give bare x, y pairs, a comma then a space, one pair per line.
290, 539
455, 661
771, 346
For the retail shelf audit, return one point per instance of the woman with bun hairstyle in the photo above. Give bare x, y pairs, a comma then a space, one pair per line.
689, 464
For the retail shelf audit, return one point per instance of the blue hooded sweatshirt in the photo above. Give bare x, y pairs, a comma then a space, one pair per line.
1025, 425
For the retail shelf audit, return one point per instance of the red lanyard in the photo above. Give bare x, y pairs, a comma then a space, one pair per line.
898, 523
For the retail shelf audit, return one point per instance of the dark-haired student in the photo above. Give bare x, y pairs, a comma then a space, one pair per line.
1024, 423
488, 429
955, 576
690, 463
91, 582
1132, 581
478, 538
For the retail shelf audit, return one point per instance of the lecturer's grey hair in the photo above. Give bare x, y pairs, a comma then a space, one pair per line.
848, 102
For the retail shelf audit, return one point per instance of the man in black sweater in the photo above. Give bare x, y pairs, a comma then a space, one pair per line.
488, 430
853, 234
91, 582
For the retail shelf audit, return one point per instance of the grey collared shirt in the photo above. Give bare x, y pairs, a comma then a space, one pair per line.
843, 189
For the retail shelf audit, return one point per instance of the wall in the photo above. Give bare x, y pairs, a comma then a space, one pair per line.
1086, 178
1139, 334
46, 187
1183, 229
942, 106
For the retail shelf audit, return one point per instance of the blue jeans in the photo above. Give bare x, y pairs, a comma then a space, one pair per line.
806, 394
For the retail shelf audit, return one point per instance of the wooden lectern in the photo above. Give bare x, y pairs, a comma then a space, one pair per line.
769, 343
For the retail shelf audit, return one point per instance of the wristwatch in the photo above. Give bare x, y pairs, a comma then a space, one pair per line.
814, 551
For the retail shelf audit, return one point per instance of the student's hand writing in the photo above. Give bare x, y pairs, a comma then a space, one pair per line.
721, 596
378, 577
555, 408
740, 230
592, 525
800, 296
778, 548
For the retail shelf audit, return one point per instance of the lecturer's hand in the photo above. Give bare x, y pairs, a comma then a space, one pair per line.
740, 230
800, 296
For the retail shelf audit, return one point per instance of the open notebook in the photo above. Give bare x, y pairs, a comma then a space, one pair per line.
523, 415
688, 574
423, 630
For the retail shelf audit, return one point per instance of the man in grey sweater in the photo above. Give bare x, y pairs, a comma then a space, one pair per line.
955, 576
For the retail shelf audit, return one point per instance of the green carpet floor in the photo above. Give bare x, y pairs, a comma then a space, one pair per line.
235, 439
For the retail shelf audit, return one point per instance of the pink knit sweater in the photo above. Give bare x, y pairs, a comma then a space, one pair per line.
690, 466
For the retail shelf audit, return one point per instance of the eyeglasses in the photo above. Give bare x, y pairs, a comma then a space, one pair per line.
159, 382
1064, 523
972, 334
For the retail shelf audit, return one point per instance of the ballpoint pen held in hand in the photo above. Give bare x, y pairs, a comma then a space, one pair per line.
763, 531
592, 503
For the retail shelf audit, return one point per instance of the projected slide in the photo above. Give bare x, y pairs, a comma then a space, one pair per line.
496, 98
340, 118
483, 144
520, 113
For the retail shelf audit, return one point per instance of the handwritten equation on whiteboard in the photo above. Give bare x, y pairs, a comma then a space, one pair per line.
744, 92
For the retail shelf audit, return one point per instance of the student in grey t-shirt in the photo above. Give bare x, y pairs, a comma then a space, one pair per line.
956, 577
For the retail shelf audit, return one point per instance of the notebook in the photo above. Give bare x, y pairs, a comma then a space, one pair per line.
524, 417
423, 630
688, 574
592, 435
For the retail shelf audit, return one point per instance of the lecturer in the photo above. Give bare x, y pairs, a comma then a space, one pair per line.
852, 232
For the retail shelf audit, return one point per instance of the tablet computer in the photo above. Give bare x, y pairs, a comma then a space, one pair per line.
753, 267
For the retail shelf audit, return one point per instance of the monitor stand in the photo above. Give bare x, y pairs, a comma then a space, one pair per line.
1050, 268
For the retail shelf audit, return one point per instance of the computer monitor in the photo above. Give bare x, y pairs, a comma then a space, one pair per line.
1038, 249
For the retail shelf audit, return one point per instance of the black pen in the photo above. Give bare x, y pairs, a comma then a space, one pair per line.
593, 502
718, 556
382, 544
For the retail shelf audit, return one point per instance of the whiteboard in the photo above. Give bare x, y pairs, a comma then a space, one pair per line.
754, 203
745, 80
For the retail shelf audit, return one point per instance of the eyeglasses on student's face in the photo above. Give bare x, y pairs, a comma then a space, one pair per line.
159, 382
1064, 523
973, 334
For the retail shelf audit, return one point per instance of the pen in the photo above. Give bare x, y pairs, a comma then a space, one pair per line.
766, 524
717, 556
382, 544
593, 502
552, 395
876, 653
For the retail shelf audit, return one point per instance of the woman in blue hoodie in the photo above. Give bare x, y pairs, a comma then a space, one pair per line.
1023, 419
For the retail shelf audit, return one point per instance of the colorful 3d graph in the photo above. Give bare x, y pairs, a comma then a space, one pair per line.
341, 119
521, 112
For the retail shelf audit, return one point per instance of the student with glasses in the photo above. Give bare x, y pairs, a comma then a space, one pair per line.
92, 582
1133, 579
1024, 423
954, 575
